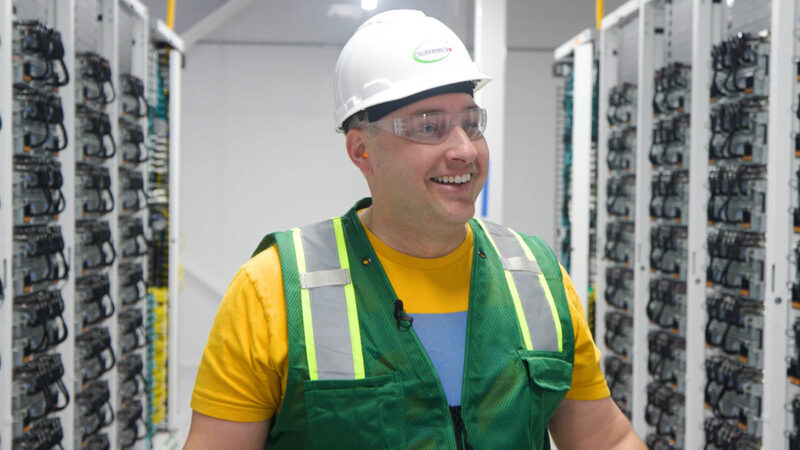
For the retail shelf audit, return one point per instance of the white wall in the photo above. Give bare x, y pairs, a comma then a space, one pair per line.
253, 161
529, 187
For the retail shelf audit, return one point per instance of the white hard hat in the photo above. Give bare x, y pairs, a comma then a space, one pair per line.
396, 54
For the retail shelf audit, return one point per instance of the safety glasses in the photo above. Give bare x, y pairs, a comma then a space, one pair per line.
435, 127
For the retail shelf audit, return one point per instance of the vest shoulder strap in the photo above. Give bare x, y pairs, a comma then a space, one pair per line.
530, 273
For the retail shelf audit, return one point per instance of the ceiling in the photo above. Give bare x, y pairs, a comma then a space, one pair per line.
532, 24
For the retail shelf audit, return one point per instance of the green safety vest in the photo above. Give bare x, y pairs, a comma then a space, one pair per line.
358, 376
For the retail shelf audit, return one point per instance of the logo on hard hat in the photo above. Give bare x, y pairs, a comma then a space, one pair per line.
432, 51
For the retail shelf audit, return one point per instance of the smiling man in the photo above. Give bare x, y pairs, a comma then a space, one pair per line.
405, 323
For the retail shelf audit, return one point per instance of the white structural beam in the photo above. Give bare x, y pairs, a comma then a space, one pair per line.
696, 273
214, 20
650, 56
490, 54
567, 48
6, 219
779, 223
581, 185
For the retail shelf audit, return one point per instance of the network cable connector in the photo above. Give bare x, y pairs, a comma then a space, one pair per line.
664, 413
670, 196
740, 66
621, 143
132, 334
131, 376
734, 392
134, 150
93, 195
95, 246
93, 299
132, 284
619, 287
738, 197
619, 333
666, 361
94, 411
95, 355
36, 49
132, 193
666, 303
736, 263
38, 195
622, 105
94, 140
668, 250
618, 376
739, 131
134, 103
670, 142
39, 260
38, 324
736, 326
672, 85
94, 81
38, 390
133, 241
619, 242
132, 426
38, 122
44, 434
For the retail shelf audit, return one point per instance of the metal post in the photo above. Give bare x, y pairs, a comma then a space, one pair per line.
695, 283
777, 305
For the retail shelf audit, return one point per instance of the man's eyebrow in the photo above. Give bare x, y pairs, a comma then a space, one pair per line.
435, 110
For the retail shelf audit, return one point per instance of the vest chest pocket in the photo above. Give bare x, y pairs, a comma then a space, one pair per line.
550, 378
353, 414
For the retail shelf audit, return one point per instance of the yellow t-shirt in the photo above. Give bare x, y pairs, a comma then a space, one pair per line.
242, 376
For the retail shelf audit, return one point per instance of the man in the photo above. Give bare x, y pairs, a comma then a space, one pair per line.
405, 323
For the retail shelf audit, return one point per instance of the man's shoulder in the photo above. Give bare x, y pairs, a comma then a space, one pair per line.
263, 264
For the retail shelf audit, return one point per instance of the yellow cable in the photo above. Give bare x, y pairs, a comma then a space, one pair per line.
171, 14
598, 10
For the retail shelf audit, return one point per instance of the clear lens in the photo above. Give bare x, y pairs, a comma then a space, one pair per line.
435, 127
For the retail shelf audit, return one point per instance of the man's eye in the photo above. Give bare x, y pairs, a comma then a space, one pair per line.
428, 128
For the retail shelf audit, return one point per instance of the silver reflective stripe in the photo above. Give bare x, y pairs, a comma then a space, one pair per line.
338, 277
328, 304
520, 264
530, 288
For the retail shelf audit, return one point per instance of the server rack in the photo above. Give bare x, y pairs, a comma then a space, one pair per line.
75, 211
575, 63
721, 228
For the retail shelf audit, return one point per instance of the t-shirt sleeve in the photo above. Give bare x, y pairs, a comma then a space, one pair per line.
588, 382
237, 380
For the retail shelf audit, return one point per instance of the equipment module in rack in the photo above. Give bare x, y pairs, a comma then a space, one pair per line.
620, 239
737, 153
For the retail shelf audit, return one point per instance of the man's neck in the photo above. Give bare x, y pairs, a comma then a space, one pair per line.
421, 243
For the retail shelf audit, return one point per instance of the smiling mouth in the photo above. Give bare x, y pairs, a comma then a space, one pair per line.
457, 179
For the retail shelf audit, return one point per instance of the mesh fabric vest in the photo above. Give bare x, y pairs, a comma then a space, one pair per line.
509, 392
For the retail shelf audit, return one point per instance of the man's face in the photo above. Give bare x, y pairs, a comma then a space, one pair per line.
409, 180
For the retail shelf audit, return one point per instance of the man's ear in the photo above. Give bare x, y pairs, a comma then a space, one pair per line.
357, 149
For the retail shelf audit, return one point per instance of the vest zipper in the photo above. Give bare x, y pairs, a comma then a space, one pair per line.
459, 429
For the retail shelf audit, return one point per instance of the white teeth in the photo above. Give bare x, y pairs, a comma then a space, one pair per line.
458, 179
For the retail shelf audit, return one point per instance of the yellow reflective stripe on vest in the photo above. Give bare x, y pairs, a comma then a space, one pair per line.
529, 290
543, 281
328, 302
350, 298
308, 329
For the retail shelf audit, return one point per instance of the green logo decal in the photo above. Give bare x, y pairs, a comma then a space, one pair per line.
433, 51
